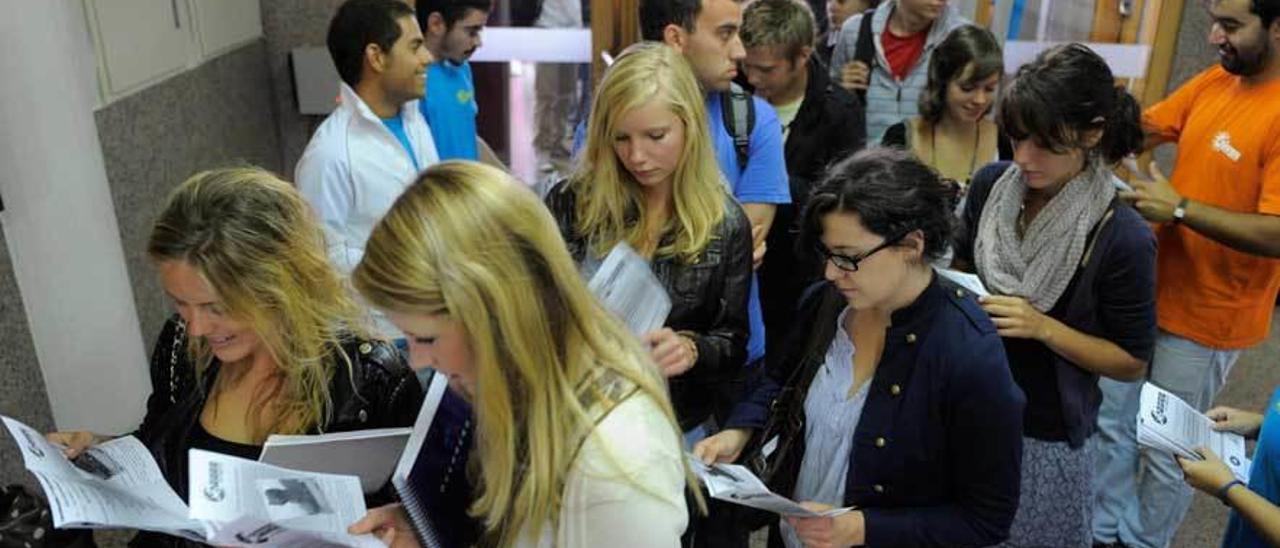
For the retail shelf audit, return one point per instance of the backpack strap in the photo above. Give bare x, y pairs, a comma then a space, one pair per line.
865, 49
739, 114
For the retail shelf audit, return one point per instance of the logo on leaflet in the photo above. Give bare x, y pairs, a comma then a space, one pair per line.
213, 492
1157, 414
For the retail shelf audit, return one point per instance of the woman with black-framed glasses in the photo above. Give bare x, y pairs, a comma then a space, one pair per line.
892, 394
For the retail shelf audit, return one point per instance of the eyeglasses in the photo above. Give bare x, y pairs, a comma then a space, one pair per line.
849, 263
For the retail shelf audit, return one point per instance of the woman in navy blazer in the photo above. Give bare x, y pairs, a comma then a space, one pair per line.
892, 394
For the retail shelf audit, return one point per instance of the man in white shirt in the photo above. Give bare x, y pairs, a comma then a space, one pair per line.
376, 142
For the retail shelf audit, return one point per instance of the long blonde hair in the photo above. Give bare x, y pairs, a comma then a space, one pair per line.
253, 239
467, 241
609, 200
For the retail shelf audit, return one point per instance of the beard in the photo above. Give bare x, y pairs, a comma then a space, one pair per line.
1246, 62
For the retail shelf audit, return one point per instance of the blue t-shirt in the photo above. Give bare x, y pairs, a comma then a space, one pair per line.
450, 109
764, 181
396, 125
1264, 478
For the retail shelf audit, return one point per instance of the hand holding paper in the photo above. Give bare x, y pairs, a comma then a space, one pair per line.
1208, 474
847, 529
1166, 423
735, 483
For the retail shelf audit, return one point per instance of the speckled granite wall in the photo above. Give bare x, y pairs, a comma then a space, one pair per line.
1193, 54
22, 393
288, 24
217, 114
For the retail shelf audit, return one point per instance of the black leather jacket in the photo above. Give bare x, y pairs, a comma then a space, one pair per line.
381, 392
708, 299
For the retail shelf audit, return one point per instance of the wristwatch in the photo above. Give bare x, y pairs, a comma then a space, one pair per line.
1180, 211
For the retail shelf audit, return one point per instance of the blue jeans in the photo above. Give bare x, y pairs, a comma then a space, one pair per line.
1141, 496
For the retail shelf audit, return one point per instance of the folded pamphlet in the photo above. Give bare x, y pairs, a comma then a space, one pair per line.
965, 280
234, 502
370, 455
735, 483
1168, 424
626, 286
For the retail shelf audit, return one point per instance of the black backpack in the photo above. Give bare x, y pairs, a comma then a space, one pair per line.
739, 114
865, 50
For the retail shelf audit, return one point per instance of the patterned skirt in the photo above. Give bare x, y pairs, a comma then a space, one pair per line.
1056, 504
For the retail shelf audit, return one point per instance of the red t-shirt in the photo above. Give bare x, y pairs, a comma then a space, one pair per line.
902, 52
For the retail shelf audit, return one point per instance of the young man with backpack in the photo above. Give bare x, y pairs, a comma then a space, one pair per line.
883, 55
822, 123
744, 129
749, 148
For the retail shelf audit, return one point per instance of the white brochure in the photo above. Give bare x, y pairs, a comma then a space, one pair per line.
114, 484
117, 484
735, 483
1166, 423
965, 280
253, 503
626, 286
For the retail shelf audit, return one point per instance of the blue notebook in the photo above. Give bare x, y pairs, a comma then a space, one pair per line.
431, 475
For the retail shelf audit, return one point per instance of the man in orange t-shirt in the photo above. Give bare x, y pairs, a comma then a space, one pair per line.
1218, 229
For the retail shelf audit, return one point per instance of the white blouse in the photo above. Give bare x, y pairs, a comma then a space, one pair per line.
831, 417
626, 487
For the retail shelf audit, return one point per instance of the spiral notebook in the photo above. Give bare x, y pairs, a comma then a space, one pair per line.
431, 470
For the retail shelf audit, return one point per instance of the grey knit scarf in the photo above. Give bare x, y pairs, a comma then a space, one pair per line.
1039, 265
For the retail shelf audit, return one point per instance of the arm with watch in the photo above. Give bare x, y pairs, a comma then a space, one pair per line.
1212, 476
1159, 202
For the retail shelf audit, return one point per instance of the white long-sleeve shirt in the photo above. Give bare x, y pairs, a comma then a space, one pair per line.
626, 487
353, 170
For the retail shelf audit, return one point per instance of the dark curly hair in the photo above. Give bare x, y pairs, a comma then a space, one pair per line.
357, 24
891, 191
1267, 10
450, 10
965, 45
1067, 91
655, 15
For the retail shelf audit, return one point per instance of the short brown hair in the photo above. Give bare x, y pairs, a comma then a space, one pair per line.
784, 24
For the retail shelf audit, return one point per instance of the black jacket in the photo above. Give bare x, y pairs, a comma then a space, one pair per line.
708, 299
829, 126
381, 392
938, 449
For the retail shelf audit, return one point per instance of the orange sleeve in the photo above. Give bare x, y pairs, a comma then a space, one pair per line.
1167, 117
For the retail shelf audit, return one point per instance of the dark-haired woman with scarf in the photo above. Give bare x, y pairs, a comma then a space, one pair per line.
1071, 271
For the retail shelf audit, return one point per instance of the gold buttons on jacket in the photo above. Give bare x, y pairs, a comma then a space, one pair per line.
960, 293
895, 390
911, 338
364, 416
877, 488
880, 442
366, 348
